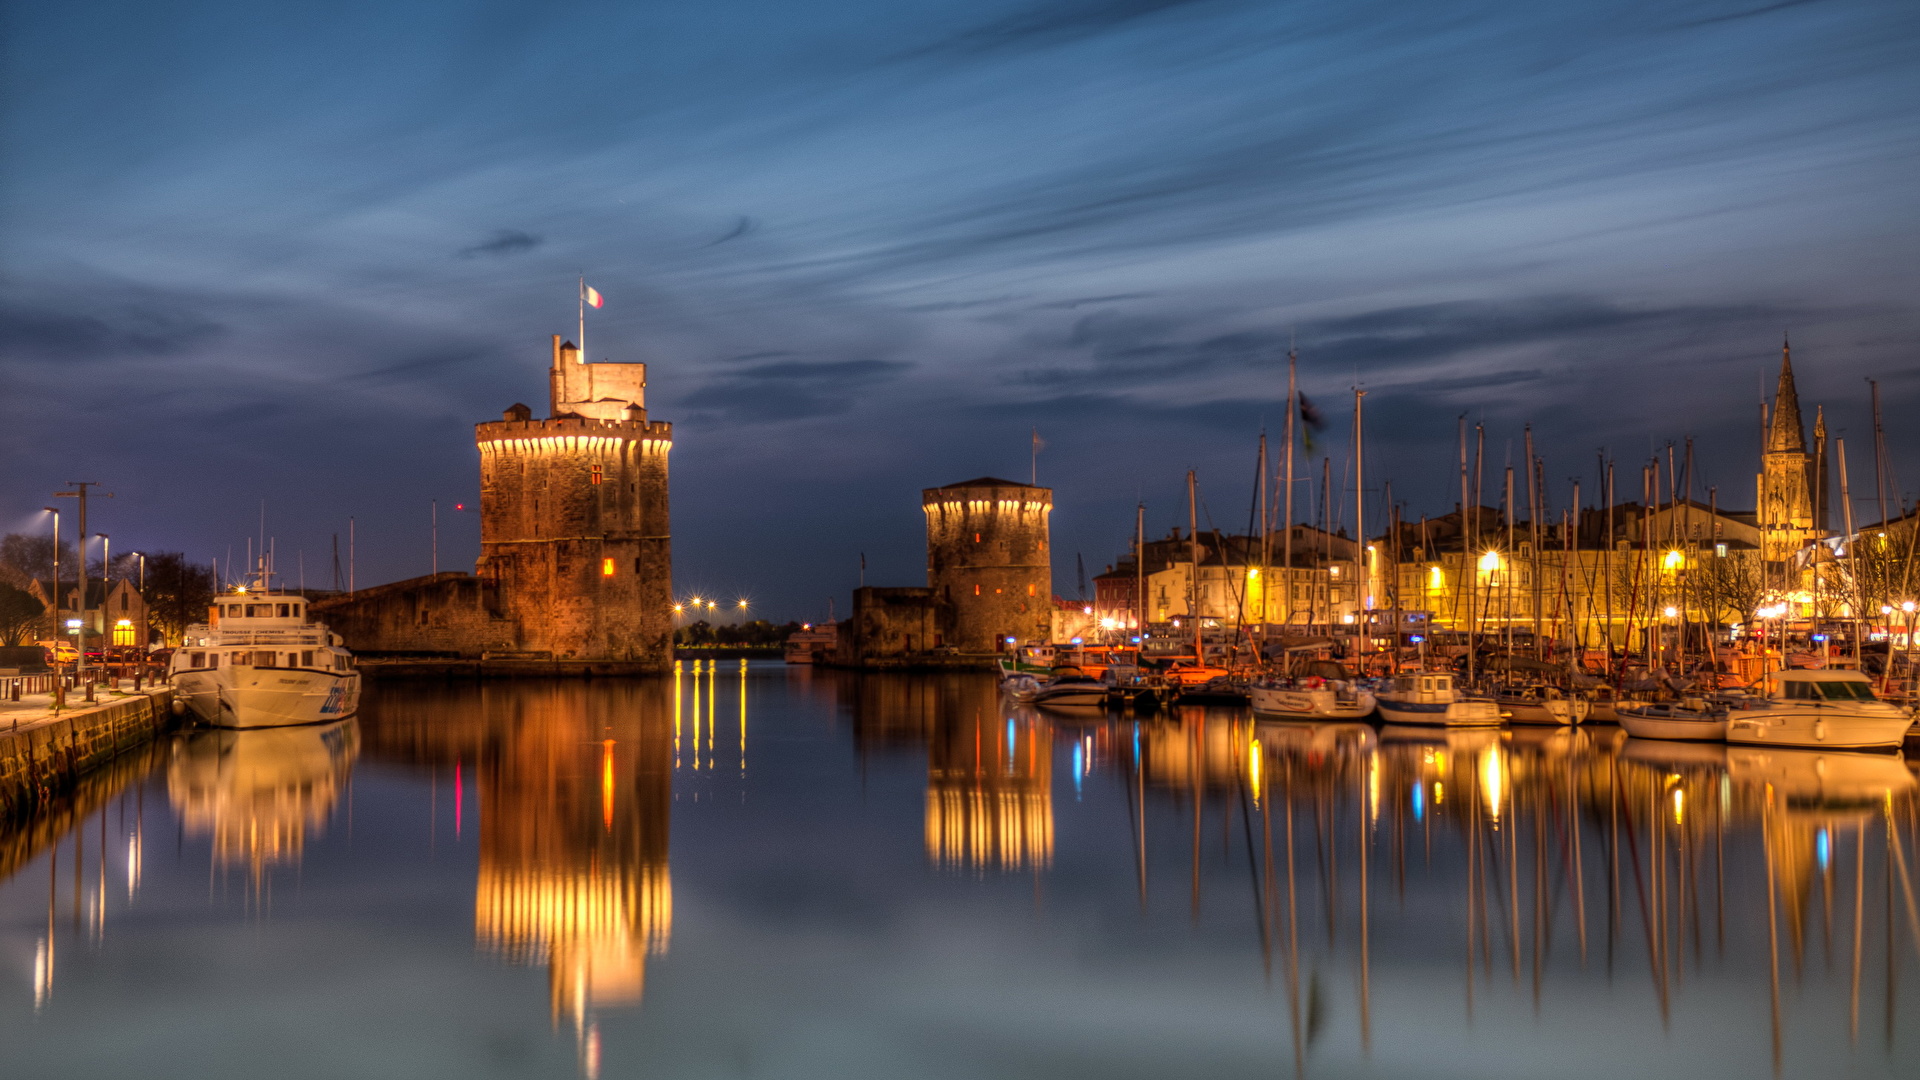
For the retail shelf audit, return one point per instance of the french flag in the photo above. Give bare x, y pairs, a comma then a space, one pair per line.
593, 297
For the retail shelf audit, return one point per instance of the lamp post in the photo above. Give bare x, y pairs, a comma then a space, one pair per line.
56, 566
742, 621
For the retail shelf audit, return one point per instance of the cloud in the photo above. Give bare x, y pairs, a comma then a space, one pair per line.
503, 242
147, 327
745, 226
1045, 25
792, 389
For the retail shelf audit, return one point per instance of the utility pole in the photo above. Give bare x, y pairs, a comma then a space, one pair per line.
79, 492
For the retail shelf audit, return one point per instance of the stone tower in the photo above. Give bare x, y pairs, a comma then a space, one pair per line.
1786, 488
573, 517
989, 562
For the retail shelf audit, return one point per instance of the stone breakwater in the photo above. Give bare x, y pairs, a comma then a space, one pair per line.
44, 760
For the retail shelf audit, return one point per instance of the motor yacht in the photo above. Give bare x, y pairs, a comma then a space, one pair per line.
1829, 708
259, 661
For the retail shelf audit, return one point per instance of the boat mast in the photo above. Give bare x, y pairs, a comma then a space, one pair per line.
1858, 599
1266, 539
1293, 410
1466, 582
1533, 534
1363, 572
1140, 575
1193, 575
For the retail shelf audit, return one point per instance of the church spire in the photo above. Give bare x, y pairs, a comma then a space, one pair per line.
1786, 434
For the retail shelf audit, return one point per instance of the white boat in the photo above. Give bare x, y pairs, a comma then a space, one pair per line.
1833, 709
1429, 697
1070, 688
1317, 690
1021, 688
1683, 722
1542, 705
261, 793
259, 662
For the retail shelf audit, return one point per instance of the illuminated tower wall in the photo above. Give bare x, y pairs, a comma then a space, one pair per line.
989, 561
574, 529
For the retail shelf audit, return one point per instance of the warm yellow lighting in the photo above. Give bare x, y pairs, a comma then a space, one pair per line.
1679, 806
606, 567
1253, 572
1492, 781
1907, 606
1674, 560
1253, 769
1490, 561
1435, 578
1439, 793
1671, 612
696, 601
679, 608
743, 603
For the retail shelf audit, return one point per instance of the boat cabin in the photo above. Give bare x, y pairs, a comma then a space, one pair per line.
1424, 686
1801, 685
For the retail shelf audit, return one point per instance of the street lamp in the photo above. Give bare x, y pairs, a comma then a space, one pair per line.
56, 559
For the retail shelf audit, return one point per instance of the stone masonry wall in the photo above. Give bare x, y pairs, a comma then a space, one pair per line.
989, 562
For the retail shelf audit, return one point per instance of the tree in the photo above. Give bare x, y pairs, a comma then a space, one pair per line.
20, 614
1730, 585
25, 559
178, 593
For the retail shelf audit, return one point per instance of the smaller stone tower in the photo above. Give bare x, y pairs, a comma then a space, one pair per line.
989, 562
574, 531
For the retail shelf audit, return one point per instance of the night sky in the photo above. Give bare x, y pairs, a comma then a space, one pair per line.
294, 251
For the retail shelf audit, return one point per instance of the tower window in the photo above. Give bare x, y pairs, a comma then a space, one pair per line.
636, 564
1030, 588
976, 590
599, 475
606, 567
976, 538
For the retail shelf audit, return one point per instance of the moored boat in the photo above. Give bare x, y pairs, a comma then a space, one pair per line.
259, 662
1429, 697
1831, 708
1677, 721
1319, 690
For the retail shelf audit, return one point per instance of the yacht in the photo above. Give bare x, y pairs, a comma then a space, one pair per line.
259, 662
1830, 708
1429, 697
1319, 690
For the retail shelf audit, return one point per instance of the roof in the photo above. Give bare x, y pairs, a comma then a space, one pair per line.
984, 481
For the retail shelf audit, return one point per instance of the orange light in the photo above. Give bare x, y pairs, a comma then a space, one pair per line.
606, 567
606, 783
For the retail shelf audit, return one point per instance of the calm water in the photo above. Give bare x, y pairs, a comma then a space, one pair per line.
756, 871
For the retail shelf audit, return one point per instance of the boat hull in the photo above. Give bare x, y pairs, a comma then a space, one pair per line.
1538, 712
1642, 725
249, 697
1310, 704
1056, 697
1466, 713
1837, 727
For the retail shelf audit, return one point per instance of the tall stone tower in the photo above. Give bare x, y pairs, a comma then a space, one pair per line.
573, 517
1786, 488
989, 561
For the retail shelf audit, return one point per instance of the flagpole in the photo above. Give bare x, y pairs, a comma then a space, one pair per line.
583, 318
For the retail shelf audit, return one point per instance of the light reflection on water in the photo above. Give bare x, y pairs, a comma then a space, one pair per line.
751, 869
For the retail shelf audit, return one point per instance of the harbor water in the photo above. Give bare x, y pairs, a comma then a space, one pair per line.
749, 870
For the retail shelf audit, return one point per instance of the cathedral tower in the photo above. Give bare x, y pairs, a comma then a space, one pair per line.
989, 561
573, 517
1786, 482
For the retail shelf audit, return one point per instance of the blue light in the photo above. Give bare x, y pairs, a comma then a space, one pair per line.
1076, 772
1416, 638
1419, 802
1820, 847
1136, 639
1819, 637
1009, 738
1076, 641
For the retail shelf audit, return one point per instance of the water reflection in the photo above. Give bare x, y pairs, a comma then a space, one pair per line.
258, 793
575, 785
1356, 889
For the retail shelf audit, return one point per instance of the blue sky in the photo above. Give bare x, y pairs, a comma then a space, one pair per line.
294, 251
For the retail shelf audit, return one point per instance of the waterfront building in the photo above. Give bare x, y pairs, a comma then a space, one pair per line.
575, 560
1239, 579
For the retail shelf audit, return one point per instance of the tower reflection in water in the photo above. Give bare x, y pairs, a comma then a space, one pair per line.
261, 793
989, 799
574, 783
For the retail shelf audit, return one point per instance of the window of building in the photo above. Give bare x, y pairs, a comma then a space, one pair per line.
123, 632
976, 538
1720, 551
198, 659
636, 564
1030, 588
598, 475
976, 590
306, 658
606, 567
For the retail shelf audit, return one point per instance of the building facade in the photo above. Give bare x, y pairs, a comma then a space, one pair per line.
989, 564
